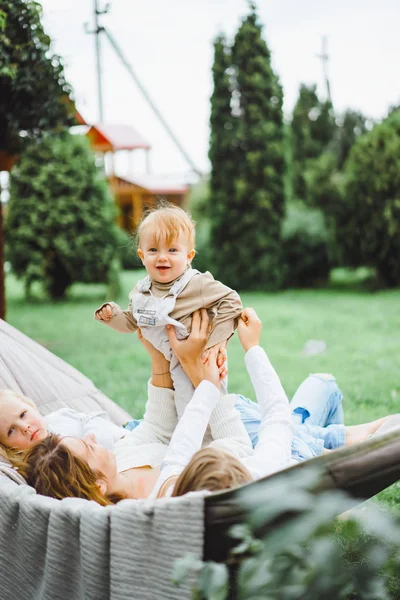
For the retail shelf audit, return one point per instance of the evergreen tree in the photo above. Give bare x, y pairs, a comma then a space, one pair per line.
33, 89
313, 128
60, 226
247, 228
352, 124
223, 144
368, 225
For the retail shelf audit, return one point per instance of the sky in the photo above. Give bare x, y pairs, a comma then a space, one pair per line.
170, 47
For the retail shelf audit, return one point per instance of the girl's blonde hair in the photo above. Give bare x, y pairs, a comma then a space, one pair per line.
55, 471
6, 395
211, 469
167, 221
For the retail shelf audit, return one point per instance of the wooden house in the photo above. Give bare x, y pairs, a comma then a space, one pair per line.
133, 194
136, 193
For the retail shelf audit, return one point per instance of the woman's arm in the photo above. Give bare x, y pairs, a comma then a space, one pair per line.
273, 451
160, 418
188, 436
160, 374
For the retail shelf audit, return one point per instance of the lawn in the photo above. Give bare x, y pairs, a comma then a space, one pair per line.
361, 331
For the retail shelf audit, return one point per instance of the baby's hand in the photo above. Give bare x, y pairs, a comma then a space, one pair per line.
220, 353
104, 313
211, 371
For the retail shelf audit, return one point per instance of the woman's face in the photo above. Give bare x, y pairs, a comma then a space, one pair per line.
99, 459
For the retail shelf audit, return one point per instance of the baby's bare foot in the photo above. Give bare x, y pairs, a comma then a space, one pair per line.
359, 433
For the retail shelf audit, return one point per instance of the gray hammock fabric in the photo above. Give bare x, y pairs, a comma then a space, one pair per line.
74, 549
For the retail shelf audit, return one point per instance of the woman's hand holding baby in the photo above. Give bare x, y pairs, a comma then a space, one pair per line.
190, 350
249, 329
104, 313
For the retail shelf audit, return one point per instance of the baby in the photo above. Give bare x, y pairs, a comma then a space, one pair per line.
171, 292
21, 424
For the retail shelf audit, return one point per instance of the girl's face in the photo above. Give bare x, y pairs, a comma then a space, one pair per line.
21, 424
98, 458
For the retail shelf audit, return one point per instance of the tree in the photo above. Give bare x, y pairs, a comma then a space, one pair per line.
223, 147
313, 128
34, 95
352, 124
368, 224
247, 221
60, 225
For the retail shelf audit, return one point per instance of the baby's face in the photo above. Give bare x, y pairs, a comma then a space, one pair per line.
165, 262
21, 424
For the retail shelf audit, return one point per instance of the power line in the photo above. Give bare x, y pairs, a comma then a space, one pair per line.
158, 114
98, 30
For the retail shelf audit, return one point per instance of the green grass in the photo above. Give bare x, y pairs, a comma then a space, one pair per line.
361, 330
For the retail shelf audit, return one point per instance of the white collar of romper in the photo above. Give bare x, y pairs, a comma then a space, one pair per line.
169, 288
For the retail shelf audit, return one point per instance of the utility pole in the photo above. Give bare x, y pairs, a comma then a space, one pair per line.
324, 57
98, 29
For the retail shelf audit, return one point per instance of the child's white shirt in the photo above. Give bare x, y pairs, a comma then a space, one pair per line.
273, 451
67, 422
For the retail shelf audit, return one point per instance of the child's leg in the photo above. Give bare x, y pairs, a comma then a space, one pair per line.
251, 417
317, 410
316, 401
183, 386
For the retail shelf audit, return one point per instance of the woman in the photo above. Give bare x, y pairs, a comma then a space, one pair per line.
132, 470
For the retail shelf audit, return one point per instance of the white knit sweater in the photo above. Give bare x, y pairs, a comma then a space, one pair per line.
147, 444
273, 451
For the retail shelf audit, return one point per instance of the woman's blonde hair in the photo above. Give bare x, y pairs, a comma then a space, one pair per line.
167, 221
53, 470
211, 469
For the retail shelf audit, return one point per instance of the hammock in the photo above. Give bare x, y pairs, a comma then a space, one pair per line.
76, 550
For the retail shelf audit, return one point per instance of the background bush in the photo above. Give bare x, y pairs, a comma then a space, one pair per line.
368, 223
304, 553
305, 247
60, 224
127, 251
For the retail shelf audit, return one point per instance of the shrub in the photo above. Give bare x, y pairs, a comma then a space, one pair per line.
368, 225
305, 247
127, 251
60, 224
304, 553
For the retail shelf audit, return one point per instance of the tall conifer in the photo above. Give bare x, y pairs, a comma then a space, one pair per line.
247, 234
223, 142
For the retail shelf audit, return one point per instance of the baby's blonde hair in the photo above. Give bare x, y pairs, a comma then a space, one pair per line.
211, 469
167, 222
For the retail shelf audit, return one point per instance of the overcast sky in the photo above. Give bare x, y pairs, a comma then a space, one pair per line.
169, 45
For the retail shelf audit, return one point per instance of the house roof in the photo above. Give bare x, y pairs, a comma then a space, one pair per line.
155, 184
115, 137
